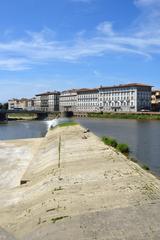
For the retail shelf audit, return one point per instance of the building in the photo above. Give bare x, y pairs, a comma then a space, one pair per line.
18, 104
132, 97
88, 100
125, 98
155, 100
31, 104
47, 102
68, 100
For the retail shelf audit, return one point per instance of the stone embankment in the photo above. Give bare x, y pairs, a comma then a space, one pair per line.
78, 188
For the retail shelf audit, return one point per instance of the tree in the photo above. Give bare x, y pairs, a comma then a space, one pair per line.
5, 106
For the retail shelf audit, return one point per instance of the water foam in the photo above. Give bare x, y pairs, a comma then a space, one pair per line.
53, 123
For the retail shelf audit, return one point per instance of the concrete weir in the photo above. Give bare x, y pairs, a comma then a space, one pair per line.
78, 188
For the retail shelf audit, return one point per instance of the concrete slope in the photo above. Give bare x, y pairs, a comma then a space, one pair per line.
81, 189
5, 235
15, 157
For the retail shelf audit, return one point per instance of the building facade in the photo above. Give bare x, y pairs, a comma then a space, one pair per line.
155, 100
68, 100
121, 98
31, 104
88, 100
18, 104
125, 98
47, 102
21, 104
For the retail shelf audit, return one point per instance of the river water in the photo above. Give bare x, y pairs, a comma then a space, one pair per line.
27, 129
23, 129
143, 137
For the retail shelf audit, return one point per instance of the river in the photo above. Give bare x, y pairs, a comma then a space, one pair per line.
143, 137
27, 129
23, 129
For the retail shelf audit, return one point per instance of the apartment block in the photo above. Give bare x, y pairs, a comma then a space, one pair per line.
125, 98
47, 102
132, 97
88, 100
68, 100
31, 104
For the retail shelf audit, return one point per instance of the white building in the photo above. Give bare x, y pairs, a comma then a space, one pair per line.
125, 98
68, 100
47, 102
88, 100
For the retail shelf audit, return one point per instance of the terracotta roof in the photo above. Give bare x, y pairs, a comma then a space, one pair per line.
126, 86
88, 90
70, 91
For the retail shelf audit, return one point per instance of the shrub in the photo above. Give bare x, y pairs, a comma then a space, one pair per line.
123, 148
110, 141
133, 159
145, 167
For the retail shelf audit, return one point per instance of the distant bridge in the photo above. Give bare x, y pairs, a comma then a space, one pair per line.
40, 114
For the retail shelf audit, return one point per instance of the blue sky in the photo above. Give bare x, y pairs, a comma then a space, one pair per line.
62, 44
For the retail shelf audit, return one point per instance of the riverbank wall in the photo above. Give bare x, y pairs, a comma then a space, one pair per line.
120, 115
79, 188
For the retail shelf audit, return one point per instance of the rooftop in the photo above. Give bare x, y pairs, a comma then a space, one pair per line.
88, 90
126, 85
70, 91
48, 93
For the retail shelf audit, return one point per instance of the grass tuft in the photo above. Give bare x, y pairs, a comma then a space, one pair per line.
67, 124
123, 148
110, 141
145, 167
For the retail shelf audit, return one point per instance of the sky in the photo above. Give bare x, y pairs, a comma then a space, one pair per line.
48, 45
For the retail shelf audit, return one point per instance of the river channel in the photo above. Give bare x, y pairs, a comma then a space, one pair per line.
143, 137
23, 129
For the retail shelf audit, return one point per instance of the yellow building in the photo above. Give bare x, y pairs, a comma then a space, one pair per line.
155, 100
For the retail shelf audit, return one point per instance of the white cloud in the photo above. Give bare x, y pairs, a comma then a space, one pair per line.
148, 24
14, 64
39, 48
36, 49
106, 28
147, 2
